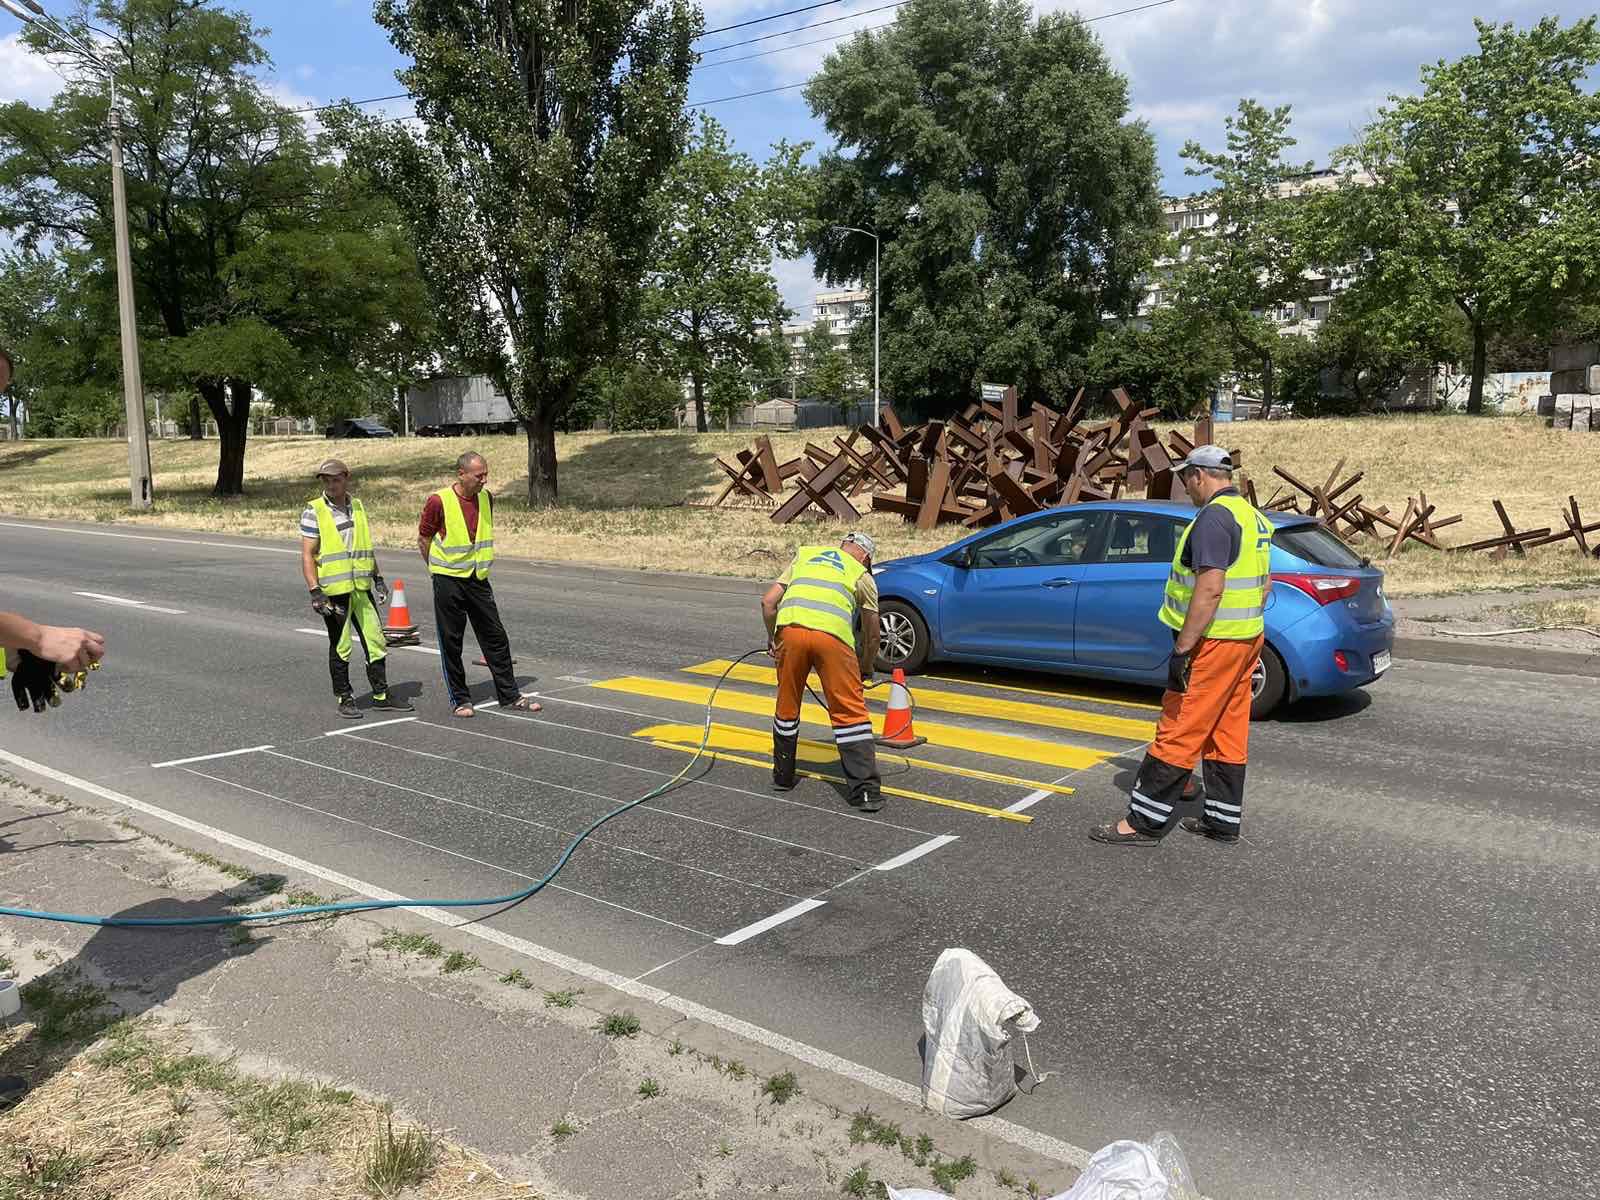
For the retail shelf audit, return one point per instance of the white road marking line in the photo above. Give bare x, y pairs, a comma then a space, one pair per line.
576, 679
144, 537
178, 762
347, 731
561, 787
126, 603
544, 719
1033, 798
504, 816
899, 1089
916, 852
411, 841
766, 923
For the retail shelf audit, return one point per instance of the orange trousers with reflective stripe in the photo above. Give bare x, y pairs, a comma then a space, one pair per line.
799, 651
1212, 719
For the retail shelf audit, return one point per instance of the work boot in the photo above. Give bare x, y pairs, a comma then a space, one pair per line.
1198, 825
391, 703
868, 802
348, 709
785, 747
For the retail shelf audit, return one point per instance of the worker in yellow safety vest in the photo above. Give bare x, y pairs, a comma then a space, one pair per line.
1215, 605
811, 613
456, 540
340, 568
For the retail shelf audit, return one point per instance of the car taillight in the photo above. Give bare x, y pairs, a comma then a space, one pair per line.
1341, 660
1324, 589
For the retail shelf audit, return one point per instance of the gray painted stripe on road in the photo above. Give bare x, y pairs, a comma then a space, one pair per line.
916, 852
776, 919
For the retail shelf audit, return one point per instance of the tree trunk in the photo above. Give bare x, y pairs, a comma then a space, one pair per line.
1480, 362
697, 379
1266, 384
541, 429
230, 406
197, 427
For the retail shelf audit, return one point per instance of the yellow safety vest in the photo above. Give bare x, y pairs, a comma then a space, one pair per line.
340, 571
822, 592
1239, 616
454, 552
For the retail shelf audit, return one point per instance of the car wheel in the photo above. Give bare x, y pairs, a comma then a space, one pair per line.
1269, 683
902, 637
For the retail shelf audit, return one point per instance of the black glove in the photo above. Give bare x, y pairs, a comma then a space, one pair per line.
320, 603
33, 683
1178, 671
380, 591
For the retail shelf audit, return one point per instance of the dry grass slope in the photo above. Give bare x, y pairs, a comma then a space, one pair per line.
623, 496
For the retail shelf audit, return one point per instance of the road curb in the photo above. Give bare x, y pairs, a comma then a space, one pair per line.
1479, 652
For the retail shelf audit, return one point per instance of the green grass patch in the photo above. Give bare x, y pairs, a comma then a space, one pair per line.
620, 1025
563, 1129
860, 1183
419, 944
459, 960
947, 1175
865, 1128
650, 1089
781, 1089
64, 1011
562, 999
396, 1162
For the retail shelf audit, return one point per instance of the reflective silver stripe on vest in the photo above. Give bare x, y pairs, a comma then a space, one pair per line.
1238, 614
340, 578
814, 606
346, 555
830, 584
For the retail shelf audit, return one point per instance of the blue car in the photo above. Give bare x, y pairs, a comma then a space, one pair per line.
1076, 590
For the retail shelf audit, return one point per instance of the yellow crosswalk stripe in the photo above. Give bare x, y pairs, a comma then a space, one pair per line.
982, 810
738, 737
994, 745
929, 699
1056, 693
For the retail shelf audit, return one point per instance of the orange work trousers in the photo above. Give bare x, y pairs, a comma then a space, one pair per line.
799, 651
1210, 721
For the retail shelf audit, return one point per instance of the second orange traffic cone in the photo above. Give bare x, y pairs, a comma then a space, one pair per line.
399, 629
898, 733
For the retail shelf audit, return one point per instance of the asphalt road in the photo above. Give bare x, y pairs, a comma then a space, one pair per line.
1384, 992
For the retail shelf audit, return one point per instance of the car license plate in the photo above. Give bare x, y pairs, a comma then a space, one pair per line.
1381, 662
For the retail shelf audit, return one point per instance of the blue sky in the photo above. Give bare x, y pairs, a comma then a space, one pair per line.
1188, 62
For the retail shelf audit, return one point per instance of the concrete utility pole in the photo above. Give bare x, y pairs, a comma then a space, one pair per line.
876, 247
140, 484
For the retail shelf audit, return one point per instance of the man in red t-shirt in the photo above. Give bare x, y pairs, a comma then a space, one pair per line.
458, 561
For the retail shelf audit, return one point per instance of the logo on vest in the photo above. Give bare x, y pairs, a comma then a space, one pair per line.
832, 557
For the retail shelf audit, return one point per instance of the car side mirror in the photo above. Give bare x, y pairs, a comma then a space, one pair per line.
961, 558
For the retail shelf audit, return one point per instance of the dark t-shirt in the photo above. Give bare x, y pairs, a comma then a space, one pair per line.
1214, 538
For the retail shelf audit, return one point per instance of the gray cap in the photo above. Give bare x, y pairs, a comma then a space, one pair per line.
333, 466
1213, 458
864, 540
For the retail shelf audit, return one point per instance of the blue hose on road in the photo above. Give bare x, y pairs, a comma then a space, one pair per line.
313, 910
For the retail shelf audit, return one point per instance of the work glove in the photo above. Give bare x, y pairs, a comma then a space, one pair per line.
1178, 671
380, 591
320, 604
33, 683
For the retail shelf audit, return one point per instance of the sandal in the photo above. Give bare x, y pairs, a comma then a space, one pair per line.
463, 710
524, 703
1111, 837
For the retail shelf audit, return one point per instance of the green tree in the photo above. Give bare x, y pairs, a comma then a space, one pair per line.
712, 300
533, 186
53, 322
252, 267
1173, 361
1253, 258
826, 368
1480, 193
1016, 202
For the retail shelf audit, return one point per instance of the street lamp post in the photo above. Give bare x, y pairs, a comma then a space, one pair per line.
876, 247
140, 485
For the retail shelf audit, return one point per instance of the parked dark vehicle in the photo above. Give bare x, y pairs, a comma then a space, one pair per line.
359, 427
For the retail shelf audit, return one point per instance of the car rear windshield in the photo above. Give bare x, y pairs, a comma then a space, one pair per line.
1316, 545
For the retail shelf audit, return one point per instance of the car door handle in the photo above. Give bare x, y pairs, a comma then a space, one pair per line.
1057, 583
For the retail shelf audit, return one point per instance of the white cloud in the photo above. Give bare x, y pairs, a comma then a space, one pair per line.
796, 284
24, 75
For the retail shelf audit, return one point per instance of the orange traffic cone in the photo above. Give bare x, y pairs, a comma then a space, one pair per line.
897, 731
399, 629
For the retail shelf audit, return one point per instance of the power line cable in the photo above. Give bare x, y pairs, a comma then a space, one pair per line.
777, 16
767, 37
837, 37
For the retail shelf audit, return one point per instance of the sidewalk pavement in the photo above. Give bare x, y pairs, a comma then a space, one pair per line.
508, 1057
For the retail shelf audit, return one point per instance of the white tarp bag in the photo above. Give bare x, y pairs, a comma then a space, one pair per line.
967, 1069
1121, 1171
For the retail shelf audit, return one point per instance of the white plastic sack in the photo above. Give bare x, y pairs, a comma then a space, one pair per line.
966, 1059
1121, 1171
